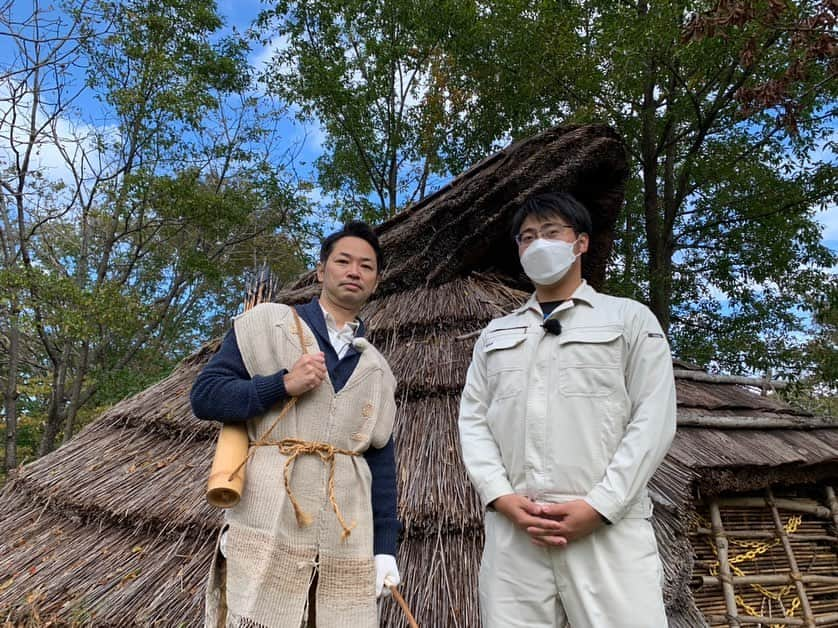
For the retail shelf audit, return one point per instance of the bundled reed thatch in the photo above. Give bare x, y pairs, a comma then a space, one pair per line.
464, 226
113, 529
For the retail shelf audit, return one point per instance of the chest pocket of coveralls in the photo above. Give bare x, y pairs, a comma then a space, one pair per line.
590, 361
505, 361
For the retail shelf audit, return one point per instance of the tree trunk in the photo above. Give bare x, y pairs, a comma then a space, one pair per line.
10, 393
659, 286
55, 416
659, 263
628, 249
72, 409
393, 180
423, 181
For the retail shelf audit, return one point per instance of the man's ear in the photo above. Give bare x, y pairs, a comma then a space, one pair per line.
319, 270
582, 243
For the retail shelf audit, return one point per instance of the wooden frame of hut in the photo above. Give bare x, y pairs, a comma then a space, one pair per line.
113, 529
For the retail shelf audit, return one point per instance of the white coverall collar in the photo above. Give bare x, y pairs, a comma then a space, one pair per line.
584, 293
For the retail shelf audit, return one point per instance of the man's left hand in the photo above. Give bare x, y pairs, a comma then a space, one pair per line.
576, 518
386, 574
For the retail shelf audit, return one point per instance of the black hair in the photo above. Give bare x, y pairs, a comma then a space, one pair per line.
550, 204
356, 229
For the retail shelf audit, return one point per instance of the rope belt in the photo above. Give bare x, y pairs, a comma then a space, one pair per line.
294, 447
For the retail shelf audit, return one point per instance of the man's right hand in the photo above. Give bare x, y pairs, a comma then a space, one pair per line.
523, 513
306, 374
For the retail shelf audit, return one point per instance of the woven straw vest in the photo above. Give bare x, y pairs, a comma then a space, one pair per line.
271, 558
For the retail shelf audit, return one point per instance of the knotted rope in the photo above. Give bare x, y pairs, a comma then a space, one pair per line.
294, 447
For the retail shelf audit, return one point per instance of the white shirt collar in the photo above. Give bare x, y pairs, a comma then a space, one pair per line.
340, 338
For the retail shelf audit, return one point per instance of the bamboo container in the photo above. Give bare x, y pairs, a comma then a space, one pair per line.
224, 487
226, 479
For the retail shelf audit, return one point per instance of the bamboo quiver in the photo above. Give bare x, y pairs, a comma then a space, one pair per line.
226, 479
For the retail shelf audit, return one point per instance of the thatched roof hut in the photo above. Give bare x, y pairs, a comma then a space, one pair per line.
113, 528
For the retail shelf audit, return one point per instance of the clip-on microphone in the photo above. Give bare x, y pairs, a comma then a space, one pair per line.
552, 326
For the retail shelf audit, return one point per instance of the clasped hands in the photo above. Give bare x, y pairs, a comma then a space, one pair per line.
549, 525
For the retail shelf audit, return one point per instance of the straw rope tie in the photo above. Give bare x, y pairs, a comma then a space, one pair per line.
294, 447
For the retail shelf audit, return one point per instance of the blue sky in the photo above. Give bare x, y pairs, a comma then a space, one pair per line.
240, 13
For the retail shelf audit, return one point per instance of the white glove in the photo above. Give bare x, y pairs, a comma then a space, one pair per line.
386, 574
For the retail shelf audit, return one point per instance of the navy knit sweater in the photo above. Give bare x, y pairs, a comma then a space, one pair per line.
224, 391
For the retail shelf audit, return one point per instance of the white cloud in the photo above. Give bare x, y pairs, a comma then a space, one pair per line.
315, 136
261, 58
60, 144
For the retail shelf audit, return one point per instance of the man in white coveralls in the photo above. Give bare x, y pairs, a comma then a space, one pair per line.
567, 410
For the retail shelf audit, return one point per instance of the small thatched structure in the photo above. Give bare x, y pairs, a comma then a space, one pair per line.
113, 529
742, 467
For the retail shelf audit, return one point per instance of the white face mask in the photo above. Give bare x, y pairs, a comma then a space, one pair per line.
547, 261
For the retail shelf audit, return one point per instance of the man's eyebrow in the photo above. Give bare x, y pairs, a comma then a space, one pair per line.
363, 258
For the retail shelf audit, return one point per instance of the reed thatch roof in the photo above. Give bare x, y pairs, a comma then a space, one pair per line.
113, 528
465, 226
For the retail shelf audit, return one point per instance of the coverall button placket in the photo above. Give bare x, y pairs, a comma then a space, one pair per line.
535, 418
541, 370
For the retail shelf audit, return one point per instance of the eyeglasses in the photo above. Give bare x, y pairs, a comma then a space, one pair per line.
549, 231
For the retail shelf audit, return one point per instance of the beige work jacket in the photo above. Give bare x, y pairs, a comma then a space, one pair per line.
588, 413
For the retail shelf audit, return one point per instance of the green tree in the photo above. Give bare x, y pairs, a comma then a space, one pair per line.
728, 114
117, 268
34, 97
363, 69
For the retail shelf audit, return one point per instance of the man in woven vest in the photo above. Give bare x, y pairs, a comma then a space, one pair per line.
568, 408
315, 532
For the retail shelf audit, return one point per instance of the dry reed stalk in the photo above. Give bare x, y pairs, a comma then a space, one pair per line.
792, 505
438, 577
795, 572
461, 304
444, 498
713, 581
114, 577
724, 567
